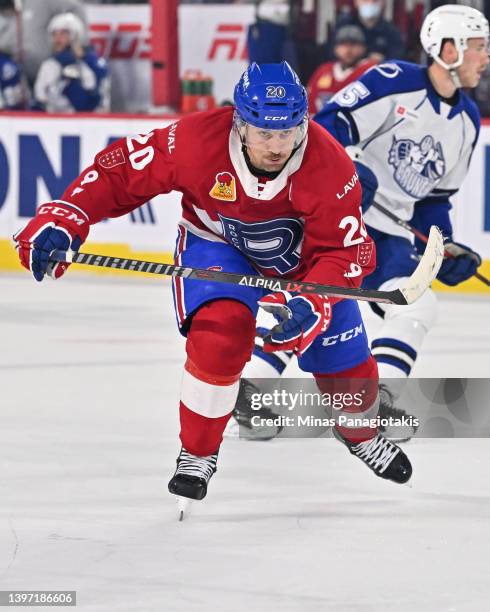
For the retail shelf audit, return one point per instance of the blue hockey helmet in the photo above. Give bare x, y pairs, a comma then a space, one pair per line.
271, 97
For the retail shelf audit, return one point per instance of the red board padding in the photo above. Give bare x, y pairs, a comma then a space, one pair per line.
165, 53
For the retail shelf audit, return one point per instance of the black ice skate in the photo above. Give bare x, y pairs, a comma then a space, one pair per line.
387, 410
243, 413
385, 459
192, 475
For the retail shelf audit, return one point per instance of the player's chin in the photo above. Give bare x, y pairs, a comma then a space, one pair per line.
471, 82
274, 164
477, 79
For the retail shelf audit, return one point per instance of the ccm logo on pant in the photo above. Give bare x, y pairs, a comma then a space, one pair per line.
343, 337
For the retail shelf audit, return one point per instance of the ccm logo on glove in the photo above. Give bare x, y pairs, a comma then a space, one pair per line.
58, 211
53, 227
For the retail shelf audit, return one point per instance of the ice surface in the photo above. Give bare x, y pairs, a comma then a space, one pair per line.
90, 371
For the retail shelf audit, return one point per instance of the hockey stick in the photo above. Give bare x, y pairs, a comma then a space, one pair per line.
414, 287
421, 236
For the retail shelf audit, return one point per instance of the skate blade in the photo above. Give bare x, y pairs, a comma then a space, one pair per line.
399, 436
184, 505
232, 430
409, 483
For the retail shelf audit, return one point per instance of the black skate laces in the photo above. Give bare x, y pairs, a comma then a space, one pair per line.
378, 452
192, 465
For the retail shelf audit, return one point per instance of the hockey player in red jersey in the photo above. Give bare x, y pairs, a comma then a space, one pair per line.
264, 191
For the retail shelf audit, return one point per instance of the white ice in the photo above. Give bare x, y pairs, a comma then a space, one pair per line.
90, 371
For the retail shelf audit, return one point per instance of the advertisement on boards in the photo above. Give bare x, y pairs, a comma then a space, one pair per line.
40, 157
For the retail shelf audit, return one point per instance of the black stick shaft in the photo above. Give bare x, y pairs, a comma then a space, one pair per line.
247, 280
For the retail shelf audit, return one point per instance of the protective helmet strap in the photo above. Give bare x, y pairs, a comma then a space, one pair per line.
460, 45
455, 78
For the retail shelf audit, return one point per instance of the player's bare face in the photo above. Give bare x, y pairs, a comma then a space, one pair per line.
60, 40
474, 63
269, 150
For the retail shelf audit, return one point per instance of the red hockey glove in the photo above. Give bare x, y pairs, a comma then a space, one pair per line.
55, 226
301, 319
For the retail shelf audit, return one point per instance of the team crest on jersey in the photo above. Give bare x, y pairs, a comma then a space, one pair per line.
274, 244
418, 165
114, 157
364, 253
224, 188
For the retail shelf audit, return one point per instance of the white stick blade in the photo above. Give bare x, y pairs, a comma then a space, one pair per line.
428, 267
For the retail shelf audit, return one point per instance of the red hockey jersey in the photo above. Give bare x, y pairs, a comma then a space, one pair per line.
304, 224
329, 78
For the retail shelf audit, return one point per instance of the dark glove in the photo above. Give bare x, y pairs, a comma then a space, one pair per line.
369, 184
65, 57
461, 267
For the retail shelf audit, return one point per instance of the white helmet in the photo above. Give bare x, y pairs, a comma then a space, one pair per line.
70, 22
453, 21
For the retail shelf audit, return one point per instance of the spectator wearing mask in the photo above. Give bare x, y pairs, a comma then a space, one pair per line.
74, 78
349, 64
383, 39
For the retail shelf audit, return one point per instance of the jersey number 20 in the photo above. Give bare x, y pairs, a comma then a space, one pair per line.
140, 158
353, 225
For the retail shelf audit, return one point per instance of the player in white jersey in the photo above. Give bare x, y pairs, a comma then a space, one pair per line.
74, 78
412, 130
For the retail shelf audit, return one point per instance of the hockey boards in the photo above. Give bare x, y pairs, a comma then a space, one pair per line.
413, 288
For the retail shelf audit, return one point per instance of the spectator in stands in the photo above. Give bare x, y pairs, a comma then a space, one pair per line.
269, 39
11, 92
383, 39
8, 38
36, 15
350, 62
74, 78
